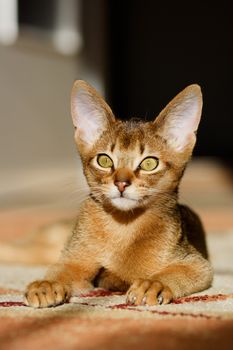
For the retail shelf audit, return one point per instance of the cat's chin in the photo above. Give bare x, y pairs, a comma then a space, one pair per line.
125, 204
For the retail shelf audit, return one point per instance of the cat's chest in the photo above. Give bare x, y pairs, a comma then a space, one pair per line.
116, 246
127, 256
136, 248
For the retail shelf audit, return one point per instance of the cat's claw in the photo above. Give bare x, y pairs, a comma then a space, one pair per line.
40, 294
130, 299
146, 292
160, 299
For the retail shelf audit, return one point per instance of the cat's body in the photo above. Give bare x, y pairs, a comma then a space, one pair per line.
131, 233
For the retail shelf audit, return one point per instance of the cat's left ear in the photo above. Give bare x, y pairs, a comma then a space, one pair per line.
179, 120
90, 113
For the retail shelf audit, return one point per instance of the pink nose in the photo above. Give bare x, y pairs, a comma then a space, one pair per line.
121, 185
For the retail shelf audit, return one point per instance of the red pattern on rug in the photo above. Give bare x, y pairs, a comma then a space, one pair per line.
106, 293
124, 306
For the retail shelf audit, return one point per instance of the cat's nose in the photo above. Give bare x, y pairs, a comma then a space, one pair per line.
121, 185
122, 178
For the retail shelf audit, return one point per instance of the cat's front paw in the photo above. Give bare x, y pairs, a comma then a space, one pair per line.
41, 294
147, 292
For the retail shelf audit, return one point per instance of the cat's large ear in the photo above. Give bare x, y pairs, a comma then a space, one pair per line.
90, 113
178, 121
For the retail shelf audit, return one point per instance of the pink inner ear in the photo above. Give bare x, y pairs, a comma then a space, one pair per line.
87, 117
179, 142
181, 131
82, 106
182, 120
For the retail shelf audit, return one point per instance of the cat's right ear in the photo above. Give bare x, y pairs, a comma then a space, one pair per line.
90, 113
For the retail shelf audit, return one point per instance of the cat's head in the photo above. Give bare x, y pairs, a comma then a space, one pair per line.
133, 164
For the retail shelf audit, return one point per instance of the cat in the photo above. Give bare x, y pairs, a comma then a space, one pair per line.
131, 234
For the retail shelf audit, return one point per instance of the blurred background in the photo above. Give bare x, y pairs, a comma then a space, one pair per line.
138, 54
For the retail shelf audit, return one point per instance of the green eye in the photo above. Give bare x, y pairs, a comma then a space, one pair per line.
104, 161
149, 164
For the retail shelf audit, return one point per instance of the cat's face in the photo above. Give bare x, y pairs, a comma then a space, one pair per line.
130, 166
133, 164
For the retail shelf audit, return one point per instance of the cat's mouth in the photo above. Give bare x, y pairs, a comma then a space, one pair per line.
124, 203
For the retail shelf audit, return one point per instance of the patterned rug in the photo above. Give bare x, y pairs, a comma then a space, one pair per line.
103, 320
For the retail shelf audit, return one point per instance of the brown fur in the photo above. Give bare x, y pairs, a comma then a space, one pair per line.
156, 249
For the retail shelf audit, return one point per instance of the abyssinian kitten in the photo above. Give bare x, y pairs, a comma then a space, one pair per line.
131, 235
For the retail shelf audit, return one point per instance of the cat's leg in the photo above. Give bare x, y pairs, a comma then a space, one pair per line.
173, 282
61, 282
108, 280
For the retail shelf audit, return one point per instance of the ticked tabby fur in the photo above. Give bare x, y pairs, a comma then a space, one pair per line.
131, 234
